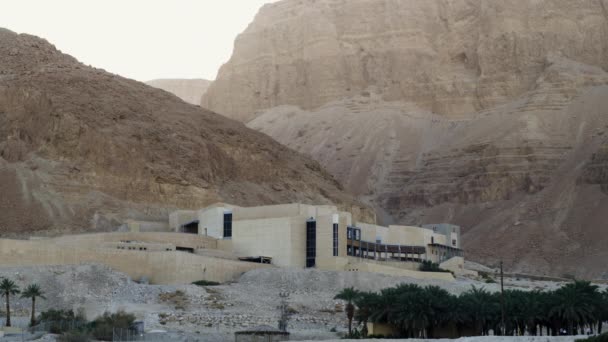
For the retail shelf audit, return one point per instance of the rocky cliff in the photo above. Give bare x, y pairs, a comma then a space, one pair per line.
84, 149
189, 90
448, 57
488, 114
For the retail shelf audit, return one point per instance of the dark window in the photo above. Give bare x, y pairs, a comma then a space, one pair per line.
335, 239
349, 233
227, 225
311, 243
190, 228
453, 242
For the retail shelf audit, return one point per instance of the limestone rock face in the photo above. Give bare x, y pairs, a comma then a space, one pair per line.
84, 149
449, 57
487, 114
189, 90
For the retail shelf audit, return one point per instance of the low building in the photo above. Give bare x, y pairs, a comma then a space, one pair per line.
301, 235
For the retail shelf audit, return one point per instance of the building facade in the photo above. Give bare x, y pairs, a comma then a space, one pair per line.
307, 236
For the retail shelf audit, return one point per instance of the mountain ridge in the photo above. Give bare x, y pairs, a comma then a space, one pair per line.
82, 149
490, 115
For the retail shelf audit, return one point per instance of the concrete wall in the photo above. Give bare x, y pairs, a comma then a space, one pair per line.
370, 232
176, 239
381, 329
225, 246
211, 221
158, 267
264, 212
179, 217
452, 232
283, 210
140, 246
456, 265
361, 265
283, 239
147, 226
406, 235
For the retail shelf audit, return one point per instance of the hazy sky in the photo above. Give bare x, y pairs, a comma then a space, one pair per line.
140, 39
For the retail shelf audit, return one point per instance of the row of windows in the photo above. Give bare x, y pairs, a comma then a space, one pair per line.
134, 248
353, 233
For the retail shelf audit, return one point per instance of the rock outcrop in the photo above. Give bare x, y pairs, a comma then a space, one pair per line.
189, 90
487, 114
449, 57
84, 149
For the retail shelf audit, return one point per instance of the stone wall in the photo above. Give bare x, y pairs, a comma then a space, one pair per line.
177, 239
360, 265
157, 267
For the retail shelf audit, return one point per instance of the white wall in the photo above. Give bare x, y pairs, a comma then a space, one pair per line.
179, 217
283, 239
212, 219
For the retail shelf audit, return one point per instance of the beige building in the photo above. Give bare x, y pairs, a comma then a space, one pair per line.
300, 235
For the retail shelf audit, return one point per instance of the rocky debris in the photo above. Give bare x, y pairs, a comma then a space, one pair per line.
82, 149
212, 313
435, 111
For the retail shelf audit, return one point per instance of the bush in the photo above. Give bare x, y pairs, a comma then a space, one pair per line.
103, 326
429, 266
600, 338
206, 283
61, 321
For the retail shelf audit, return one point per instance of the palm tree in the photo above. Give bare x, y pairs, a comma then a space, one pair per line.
349, 295
366, 303
33, 291
481, 308
576, 305
8, 288
438, 301
603, 312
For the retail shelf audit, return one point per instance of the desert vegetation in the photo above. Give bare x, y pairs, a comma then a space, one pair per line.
9, 288
74, 326
416, 311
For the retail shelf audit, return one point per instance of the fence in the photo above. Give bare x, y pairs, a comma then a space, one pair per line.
125, 335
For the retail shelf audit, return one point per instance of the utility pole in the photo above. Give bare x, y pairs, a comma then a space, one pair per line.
502, 300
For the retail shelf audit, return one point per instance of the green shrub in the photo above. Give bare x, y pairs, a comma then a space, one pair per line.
206, 283
102, 327
61, 321
429, 266
600, 338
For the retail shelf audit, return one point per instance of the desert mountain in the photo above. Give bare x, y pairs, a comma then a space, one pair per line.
488, 114
189, 90
81, 148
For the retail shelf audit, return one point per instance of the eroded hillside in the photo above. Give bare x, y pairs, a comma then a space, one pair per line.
84, 149
488, 114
